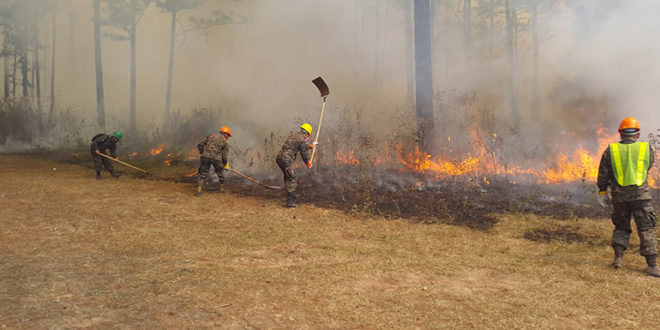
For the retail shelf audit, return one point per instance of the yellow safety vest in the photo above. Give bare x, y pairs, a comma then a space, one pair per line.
630, 162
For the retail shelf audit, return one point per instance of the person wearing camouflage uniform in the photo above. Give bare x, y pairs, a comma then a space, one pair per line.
213, 150
629, 199
296, 143
101, 143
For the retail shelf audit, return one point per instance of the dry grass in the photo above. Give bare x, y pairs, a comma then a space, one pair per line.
76, 252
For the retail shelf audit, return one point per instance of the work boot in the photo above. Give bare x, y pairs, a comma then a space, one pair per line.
652, 269
115, 174
199, 191
618, 257
98, 175
291, 200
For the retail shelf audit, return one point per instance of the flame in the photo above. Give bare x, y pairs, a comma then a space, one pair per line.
347, 158
158, 149
482, 163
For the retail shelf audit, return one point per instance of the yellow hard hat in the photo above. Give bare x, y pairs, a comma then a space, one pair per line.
307, 127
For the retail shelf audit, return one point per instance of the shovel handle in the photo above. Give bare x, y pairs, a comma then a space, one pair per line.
253, 180
120, 162
318, 130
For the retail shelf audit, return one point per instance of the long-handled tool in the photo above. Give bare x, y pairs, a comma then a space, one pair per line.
246, 177
253, 180
323, 88
120, 162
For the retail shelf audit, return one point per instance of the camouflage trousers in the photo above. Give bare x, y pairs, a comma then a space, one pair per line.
642, 211
205, 168
100, 162
290, 182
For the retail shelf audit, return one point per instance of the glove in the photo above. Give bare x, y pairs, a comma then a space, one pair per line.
309, 164
227, 166
603, 198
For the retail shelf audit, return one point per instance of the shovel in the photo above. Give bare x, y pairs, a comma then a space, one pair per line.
323, 88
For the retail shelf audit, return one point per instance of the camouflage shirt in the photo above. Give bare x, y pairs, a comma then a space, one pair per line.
103, 142
621, 193
295, 143
214, 147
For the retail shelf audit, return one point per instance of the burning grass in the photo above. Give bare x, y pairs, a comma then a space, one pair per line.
391, 184
145, 253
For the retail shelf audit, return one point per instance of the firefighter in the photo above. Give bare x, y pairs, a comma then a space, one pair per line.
299, 142
624, 169
213, 150
101, 143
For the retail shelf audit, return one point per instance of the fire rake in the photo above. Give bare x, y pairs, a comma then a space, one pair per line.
323, 88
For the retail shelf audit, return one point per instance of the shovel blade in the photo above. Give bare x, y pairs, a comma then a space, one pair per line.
322, 86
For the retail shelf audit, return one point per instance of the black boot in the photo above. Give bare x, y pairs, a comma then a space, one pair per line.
291, 200
652, 269
98, 175
618, 257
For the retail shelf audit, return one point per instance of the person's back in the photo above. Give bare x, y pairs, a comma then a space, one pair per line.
215, 146
101, 144
624, 170
213, 151
296, 143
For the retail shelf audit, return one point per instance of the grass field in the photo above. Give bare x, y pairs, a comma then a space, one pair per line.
137, 253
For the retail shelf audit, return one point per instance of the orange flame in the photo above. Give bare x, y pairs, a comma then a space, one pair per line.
158, 149
347, 158
579, 165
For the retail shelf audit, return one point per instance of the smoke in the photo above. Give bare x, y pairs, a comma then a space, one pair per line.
597, 64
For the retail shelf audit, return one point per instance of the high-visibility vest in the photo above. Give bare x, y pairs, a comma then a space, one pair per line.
630, 162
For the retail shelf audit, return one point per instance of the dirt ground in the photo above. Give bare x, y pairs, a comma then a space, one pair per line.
137, 253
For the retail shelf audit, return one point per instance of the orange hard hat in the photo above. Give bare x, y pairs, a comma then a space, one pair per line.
629, 123
226, 130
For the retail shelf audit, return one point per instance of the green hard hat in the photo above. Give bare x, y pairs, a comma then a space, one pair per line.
117, 134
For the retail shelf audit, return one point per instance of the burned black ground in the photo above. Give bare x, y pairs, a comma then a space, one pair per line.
459, 201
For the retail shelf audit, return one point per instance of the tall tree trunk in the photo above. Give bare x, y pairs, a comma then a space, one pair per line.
467, 30
51, 110
535, 47
170, 69
23, 57
36, 66
491, 32
410, 77
447, 48
423, 74
133, 126
13, 74
32, 74
5, 61
375, 48
25, 72
98, 63
514, 118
